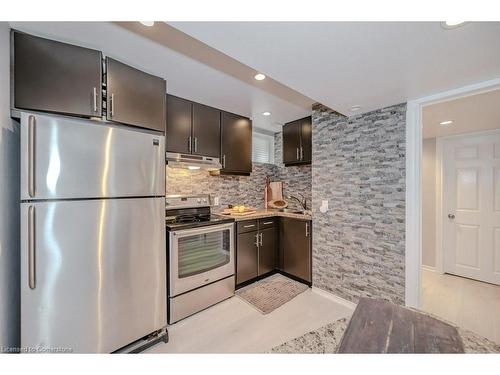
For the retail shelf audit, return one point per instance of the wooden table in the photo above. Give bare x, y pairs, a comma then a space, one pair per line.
382, 327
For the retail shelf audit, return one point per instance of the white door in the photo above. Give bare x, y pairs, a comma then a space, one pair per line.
471, 203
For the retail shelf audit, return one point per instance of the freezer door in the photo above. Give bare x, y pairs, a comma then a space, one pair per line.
93, 273
65, 157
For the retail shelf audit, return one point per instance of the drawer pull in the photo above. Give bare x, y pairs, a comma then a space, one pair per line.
268, 222
248, 226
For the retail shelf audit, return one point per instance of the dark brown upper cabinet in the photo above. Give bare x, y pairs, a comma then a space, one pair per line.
297, 142
192, 128
135, 97
57, 77
236, 144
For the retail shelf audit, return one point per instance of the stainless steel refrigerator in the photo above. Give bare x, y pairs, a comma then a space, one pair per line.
93, 259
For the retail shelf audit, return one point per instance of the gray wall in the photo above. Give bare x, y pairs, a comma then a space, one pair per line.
9, 205
359, 167
248, 190
429, 202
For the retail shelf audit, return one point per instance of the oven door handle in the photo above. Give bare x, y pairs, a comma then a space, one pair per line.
201, 230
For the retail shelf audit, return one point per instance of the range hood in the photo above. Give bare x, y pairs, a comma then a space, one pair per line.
193, 162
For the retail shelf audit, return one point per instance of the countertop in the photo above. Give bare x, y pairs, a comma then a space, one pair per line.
262, 213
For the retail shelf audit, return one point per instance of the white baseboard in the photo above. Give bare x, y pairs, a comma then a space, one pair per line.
333, 297
428, 268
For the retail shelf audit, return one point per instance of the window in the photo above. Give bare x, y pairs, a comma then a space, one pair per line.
262, 148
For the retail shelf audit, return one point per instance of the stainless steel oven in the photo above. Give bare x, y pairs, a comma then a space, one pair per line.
200, 256
201, 263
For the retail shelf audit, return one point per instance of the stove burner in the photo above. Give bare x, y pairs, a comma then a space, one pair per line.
189, 219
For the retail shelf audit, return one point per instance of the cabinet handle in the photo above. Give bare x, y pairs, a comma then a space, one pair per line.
301, 153
257, 239
95, 99
298, 157
223, 161
195, 144
31, 248
260, 235
248, 226
31, 155
307, 229
190, 144
267, 222
112, 106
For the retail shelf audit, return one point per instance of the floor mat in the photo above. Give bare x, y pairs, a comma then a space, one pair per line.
270, 293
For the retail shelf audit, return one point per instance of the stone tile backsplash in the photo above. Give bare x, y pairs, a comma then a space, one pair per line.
248, 190
359, 167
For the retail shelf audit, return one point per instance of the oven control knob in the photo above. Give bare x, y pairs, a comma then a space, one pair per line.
204, 200
199, 200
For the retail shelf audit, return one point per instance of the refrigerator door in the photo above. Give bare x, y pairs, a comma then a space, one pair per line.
93, 273
72, 158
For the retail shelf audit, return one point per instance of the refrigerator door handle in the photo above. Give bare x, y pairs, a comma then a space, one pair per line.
31, 155
31, 248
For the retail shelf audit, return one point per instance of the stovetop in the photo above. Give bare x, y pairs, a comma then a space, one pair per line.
194, 221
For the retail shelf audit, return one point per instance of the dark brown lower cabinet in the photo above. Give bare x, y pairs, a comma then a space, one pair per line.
295, 243
267, 251
246, 257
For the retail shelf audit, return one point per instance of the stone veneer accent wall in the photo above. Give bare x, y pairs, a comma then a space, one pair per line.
359, 167
248, 190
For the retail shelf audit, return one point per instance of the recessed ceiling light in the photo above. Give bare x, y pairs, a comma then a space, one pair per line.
445, 123
452, 24
266, 113
259, 76
355, 108
148, 23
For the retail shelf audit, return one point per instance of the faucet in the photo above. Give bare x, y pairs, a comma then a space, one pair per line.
302, 201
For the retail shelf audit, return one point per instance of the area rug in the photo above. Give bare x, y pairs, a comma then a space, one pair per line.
327, 339
270, 293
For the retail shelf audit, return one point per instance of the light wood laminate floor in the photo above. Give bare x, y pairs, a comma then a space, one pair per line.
233, 326
470, 304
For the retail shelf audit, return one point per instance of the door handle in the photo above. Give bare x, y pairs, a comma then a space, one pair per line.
257, 240
195, 144
31, 248
307, 229
112, 106
31, 155
190, 144
95, 99
223, 161
451, 216
260, 235
301, 153
298, 156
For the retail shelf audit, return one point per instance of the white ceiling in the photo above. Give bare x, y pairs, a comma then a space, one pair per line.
469, 114
371, 64
186, 77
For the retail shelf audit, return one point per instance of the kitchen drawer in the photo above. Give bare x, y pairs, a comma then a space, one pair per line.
246, 226
269, 222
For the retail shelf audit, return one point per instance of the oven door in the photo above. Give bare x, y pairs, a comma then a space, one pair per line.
200, 256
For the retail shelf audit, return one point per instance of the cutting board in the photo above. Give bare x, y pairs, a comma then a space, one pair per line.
248, 211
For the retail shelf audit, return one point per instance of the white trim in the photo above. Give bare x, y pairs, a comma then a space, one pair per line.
428, 268
334, 298
439, 206
413, 253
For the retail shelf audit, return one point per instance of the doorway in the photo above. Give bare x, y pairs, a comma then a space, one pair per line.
460, 195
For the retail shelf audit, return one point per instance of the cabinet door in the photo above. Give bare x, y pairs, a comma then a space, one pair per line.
56, 77
267, 250
178, 136
291, 142
306, 140
236, 150
296, 247
206, 130
134, 97
246, 257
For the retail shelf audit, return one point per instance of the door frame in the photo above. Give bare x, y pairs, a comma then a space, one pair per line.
439, 191
413, 238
